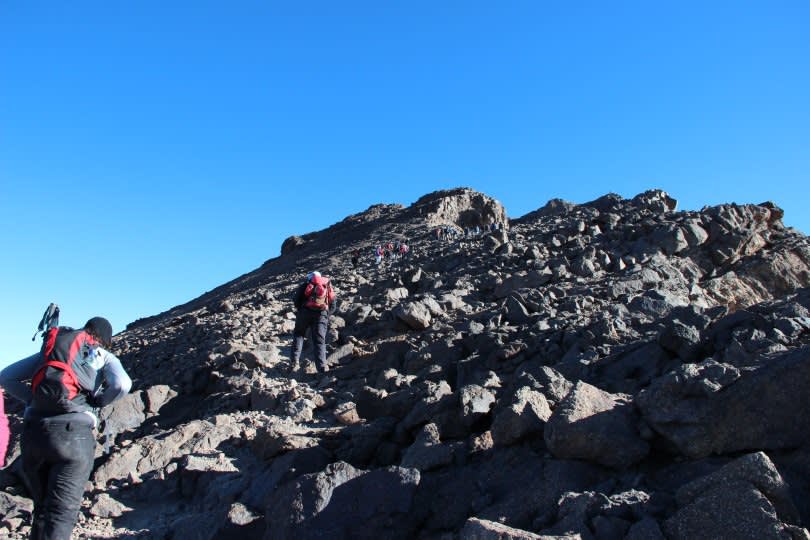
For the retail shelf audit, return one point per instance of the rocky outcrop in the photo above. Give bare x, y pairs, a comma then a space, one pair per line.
614, 369
461, 207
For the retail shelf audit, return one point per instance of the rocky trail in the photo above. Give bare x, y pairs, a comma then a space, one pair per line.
610, 370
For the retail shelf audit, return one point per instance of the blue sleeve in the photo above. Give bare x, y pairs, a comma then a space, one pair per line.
12, 377
116, 381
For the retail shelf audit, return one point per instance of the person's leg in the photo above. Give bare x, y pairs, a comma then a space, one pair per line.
299, 332
35, 473
319, 329
74, 447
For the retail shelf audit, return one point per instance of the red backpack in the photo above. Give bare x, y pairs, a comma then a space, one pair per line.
55, 385
318, 293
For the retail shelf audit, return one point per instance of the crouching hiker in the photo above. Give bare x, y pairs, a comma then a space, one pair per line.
315, 301
70, 378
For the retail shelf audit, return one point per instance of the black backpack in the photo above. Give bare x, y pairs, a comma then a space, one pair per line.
55, 385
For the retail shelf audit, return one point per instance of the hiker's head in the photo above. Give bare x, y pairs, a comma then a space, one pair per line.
313, 275
101, 329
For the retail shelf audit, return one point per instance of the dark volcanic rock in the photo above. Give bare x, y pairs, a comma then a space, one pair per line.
343, 502
712, 408
593, 425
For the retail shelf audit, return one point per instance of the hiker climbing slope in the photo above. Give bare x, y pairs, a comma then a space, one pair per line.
72, 376
315, 301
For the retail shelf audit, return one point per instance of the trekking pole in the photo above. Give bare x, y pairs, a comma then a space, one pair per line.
49, 319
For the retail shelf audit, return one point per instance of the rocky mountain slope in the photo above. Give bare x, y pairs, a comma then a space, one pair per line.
610, 370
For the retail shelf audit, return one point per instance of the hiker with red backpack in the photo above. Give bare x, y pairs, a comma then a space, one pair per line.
71, 378
315, 301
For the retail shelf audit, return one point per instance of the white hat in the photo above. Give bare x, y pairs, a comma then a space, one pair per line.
313, 275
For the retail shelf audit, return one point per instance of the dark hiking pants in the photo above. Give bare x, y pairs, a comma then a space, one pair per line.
57, 462
317, 322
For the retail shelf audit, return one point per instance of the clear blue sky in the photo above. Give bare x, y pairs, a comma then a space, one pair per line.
150, 151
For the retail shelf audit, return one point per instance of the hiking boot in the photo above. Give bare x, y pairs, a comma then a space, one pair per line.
310, 369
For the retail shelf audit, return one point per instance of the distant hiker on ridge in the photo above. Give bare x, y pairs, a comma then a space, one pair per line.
72, 377
315, 301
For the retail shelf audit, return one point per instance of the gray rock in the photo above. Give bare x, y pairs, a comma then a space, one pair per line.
155, 397
481, 529
343, 503
736, 511
693, 232
546, 380
682, 340
126, 413
415, 314
632, 368
427, 452
526, 413
670, 239
239, 514
14, 506
593, 425
346, 414
271, 441
516, 312
655, 200
397, 294
755, 469
476, 402
340, 355
106, 507
532, 279
710, 408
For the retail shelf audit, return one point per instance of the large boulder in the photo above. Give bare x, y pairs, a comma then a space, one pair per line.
427, 452
155, 452
733, 512
416, 315
754, 469
531, 279
525, 413
342, 502
714, 408
596, 426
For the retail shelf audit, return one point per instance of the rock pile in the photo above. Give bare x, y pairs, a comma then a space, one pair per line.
610, 370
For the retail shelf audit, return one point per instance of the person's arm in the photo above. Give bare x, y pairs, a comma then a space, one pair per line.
331, 300
298, 299
12, 377
116, 381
